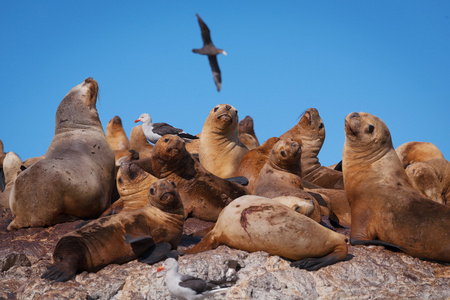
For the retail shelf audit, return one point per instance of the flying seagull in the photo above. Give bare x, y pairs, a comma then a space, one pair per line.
185, 286
154, 131
210, 50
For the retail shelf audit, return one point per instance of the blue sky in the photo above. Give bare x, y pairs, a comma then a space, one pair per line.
388, 58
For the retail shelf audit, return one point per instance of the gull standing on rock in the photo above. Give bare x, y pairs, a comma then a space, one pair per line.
154, 131
186, 287
210, 50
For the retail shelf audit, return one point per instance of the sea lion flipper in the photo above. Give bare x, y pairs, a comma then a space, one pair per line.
156, 253
239, 179
63, 270
139, 244
390, 246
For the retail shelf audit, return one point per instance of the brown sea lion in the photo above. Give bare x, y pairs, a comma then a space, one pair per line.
281, 175
12, 167
246, 126
76, 177
412, 152
123, 237
385, 207
193, 146
116, 136
253, 161
310, 132
432, 179
220, 149
132, 185
254, 223
204, 195
248, 140
139, 143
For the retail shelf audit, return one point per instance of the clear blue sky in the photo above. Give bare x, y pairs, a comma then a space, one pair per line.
388, 58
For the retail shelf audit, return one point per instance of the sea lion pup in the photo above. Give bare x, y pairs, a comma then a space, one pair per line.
139, 143
412, 152
249, 221
253, 161
132, 185
280, 175
432, 179
149, 233
310, 132
246, 126
204, 195
76, 177
385, 207
12, 167
220, 149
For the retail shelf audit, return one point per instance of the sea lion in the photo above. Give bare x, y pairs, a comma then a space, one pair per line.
280, 175
248, 140
432, 179
29, 161
2, 153
246, 126
139, 143
204, 195
247, 222
253, 161
12, 167
76, 177
132, 185
123, 237
412, 152
193, 146
116, 136
220, 149
385, 207
310, 132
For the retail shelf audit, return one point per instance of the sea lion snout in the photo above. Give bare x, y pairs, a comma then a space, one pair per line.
352, 123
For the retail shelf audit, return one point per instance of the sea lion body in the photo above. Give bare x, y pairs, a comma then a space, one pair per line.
412, 152
12, 167
384, 204
280, 176
116, 136
139, 143
103, 241
310, 133
76, 177
220, 149
204, 195
248, 222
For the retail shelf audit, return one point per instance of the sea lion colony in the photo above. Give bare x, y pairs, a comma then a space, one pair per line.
165, 185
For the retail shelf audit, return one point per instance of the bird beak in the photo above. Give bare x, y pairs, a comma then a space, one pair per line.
135, 121
224, 53
159, 269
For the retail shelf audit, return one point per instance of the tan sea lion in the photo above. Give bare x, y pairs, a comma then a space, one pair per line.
432, 179
29, 161
115, 134
310, 132
204, 195
249, 221
12, 167
248, 140
139, 143
246, 126
123, 237
412, 152
76, 177
253, 161
280, 176
385, 207
132, 185
194, 145
220, 149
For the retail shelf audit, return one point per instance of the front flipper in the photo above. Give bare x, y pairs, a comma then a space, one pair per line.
63, 270
387, 245
314, 264
239, 179
139, 244
156, 253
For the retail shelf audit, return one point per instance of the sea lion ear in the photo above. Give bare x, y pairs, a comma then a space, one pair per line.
152, 191
370, 128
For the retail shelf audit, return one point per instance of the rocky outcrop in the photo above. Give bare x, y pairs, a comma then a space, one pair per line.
369, 272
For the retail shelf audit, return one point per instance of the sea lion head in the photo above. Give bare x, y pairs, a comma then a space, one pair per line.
78, 108
365, 131
312, 124
286, 155
169, 148
164, 195
223, 118
129, 172
302, 206
246, 125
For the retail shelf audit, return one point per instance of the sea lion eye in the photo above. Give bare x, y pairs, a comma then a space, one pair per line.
166, 140
283, 153
152, 191
321, 126
296, 208
216, 108
370, 128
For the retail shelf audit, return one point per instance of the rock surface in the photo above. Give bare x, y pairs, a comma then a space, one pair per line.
369, 272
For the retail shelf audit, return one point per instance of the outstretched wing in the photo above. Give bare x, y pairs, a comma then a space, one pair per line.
206, 35
216, 71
